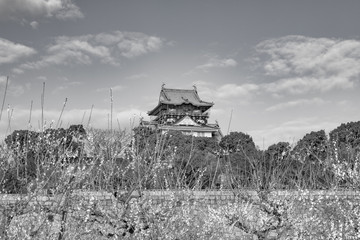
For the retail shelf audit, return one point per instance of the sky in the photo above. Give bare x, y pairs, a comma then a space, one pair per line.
275, 69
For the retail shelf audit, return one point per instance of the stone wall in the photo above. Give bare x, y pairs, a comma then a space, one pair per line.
208, 198
201, 198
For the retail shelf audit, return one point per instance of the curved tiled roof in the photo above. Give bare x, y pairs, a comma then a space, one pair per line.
180, 96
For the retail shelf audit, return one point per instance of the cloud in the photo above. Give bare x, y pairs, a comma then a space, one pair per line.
22, 10
234, 90
137, 76
116, 88
225, 92
13, 89
34, 24
131, 44
11, 52
139, 45
304, 64
290, 131
65, 85
103, 47
80, 49
215, 62
68, 11
42, 78
296, 103
99, 118
68, 51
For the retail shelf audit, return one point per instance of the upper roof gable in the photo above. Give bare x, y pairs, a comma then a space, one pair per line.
181, 96
187, 121
178, 97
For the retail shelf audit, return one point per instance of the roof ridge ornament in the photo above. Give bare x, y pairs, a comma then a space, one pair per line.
196, 93
163, 92
185, 99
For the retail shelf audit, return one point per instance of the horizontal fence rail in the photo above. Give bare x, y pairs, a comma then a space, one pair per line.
206, 197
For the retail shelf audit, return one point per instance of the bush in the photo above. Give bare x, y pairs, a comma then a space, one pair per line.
37, 164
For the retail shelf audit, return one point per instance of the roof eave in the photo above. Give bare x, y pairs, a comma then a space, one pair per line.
151, 112
202, 104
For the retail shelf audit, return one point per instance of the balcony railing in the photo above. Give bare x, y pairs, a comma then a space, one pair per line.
195, 113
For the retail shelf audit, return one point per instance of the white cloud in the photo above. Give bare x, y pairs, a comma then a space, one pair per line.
42, 78
103, 47
306, 64
11, 52
299, 85
68, 11
215, 62
14, 89
17, 71
296, 103
34, 24
65, 85
234, 90
137, 44
137, 76
131, 44
99, 118
290, 131
343, 103
68, 51
21, 10
80, 48
116, 88
226, 92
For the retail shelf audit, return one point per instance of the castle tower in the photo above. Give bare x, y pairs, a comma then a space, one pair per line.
183, 110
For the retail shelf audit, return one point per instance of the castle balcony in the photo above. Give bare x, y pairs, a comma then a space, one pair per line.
179, 113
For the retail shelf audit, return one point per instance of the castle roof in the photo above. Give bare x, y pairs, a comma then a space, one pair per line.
180, 96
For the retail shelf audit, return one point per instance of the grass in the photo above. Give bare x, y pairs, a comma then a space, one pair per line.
112, 163
64, 162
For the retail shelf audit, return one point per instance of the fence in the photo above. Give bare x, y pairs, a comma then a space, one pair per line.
206, 198
201, 198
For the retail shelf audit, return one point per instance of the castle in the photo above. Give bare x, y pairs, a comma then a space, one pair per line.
182, 110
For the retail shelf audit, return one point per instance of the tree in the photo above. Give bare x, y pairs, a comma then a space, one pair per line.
241, 157
238, 142
274, 166
310, 168
345, 153
312, 147
346, 141
30, 150
177, 156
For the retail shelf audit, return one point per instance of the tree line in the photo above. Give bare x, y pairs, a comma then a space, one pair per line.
317, 161
174, 160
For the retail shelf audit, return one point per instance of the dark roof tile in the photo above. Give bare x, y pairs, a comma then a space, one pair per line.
181, 96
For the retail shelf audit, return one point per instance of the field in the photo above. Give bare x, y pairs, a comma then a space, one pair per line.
54, 179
